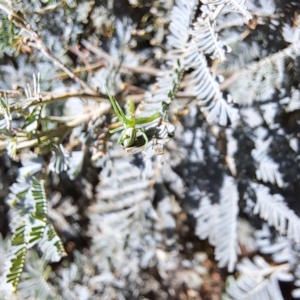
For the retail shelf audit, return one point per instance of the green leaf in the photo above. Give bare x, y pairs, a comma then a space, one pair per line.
16, 257
39, 215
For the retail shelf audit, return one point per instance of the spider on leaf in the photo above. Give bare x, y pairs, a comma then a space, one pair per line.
129, 122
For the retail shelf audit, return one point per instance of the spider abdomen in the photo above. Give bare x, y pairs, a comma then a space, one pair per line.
129, 136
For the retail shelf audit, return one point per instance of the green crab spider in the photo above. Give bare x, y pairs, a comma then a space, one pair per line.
129, 122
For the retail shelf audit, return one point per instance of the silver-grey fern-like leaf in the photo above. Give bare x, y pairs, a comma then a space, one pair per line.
267, 169
205, 85
207, 89
258, 81
274, 210
207, 219
207, 40
227, 249
181, 18
257, 280
219, 223
221, 111
236, 5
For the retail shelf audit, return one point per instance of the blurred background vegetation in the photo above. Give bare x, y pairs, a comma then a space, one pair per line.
209, 214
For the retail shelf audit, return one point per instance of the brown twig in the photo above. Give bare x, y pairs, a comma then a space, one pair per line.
53, 97
11, 93
91, 67
39, 44
124, 67
292, 49
22, 143
82, 57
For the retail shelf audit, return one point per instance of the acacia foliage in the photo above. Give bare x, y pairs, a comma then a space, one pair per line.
224, 76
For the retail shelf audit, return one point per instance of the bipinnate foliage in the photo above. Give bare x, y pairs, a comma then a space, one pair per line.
29, 221
216, 187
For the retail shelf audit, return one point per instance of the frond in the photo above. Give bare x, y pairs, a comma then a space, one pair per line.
166, 87
31, 165
207, 40
60, 159
15, 260
222, 111
268, 172
274, 210
125, 211
29, 223
207, 219
219, 223
236, 5
28, 204
267, 169
181, 17
204, 83
168, 82
227, 248
259, 81
281, 249
241, 55
206, 88
39, 213
51, 245
257, 280
34, 283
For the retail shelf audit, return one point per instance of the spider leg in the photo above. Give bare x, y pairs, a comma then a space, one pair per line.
116, 129
120, 137
144, 136
120, 110
144, 120
117, 109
